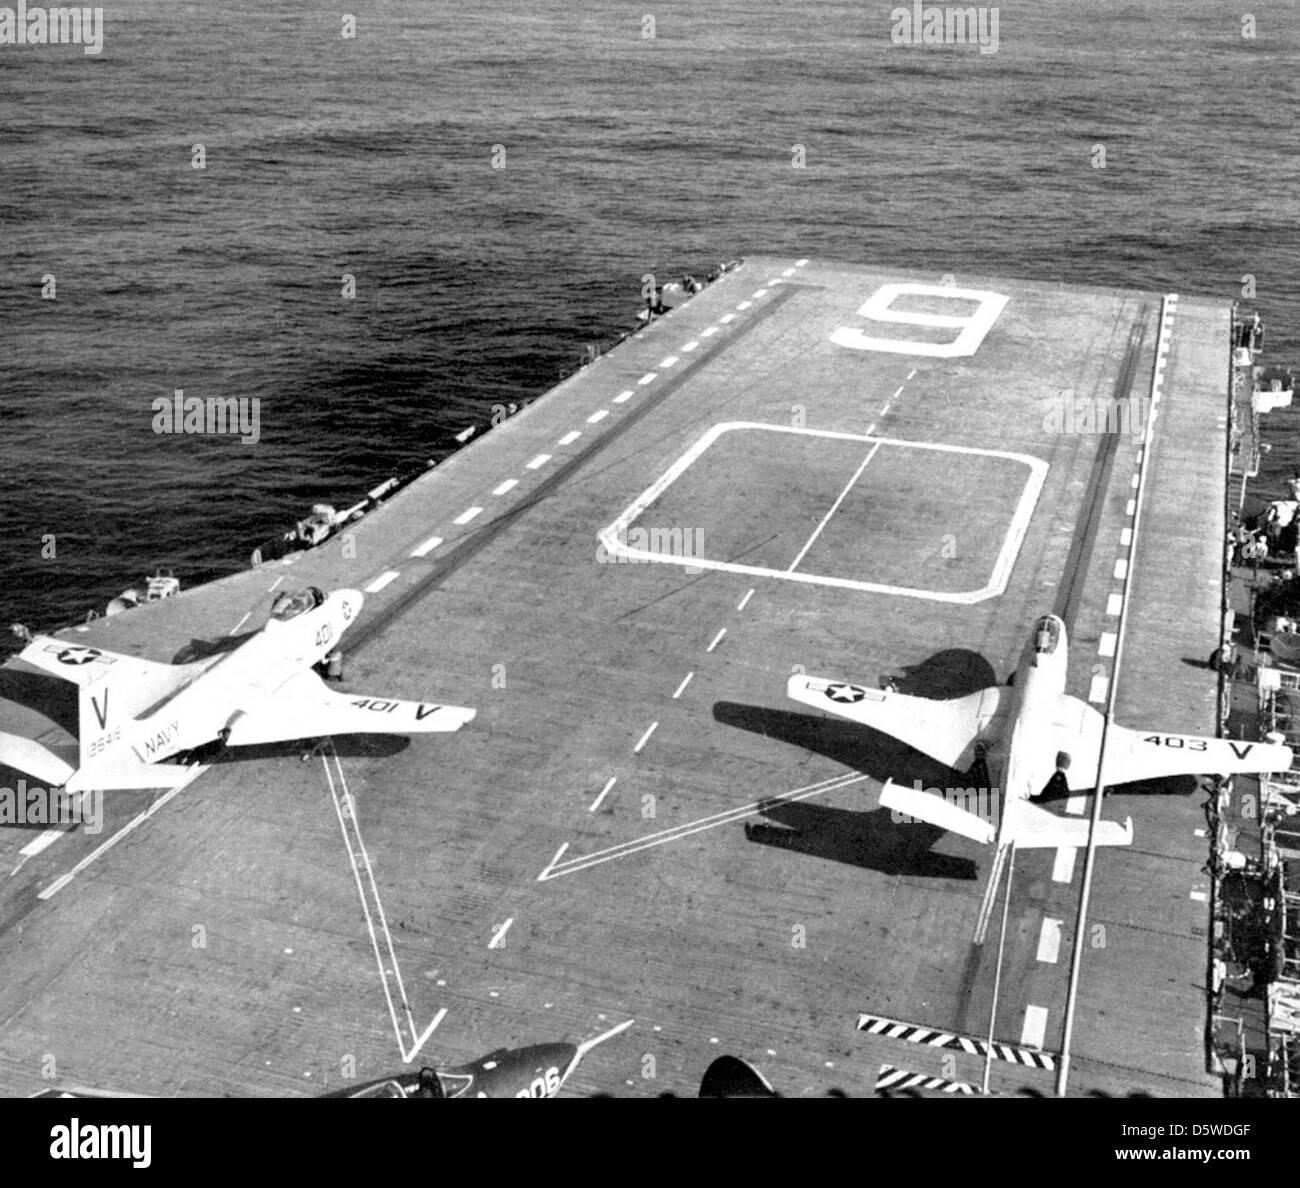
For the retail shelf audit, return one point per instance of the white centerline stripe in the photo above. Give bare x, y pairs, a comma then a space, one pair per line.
857, 474
570, 437
690, 346
744, 601
241, 622
668, 361
1121, 569
1114, 604
1049, 940
538, 462
648, 378
645, 738
1106, 645
1126, 536
508, 485
789, 272
1131, 508
727, 318
595, 804
717, 639
599, 415
382, 580
709, 332
623, 396
467, 515
500, 935
1063, 866
760, 292
686, 680
744, 305
801, 263
1035, 1027
423, 550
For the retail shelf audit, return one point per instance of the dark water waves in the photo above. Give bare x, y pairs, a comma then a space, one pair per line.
373, 157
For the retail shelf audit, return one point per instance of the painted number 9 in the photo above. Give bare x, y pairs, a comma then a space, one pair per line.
879, 308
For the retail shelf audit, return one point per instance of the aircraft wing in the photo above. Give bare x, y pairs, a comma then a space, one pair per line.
1148, 755
304, 707
944, 730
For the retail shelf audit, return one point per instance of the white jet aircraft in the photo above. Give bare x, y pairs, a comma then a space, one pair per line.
1029, 734
134, 713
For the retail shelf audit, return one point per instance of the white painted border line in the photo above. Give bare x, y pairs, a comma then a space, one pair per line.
384, 579
423, 550
615, 536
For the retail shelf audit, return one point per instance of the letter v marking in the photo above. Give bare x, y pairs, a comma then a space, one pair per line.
101, 714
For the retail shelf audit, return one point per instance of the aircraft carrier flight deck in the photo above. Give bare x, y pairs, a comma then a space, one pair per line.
852, 472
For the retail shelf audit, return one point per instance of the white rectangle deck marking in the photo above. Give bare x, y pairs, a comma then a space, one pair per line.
1106, 645
508, 485
1049, 940
1126, 537
1035, 1027
1131, 508
423, 550
467, 515
668, 361
690, 346
1063, 865
760, 292
645, 738
598, 416
801, 263
1074, 805
615, 536
708, 333
1097, 690
595, 804
1199, 896
498, 937
1114, 604
382, 580
624, 396
538, 462
789, 271
1121, 569
686, 680
727, 318
648, 378
1133, 482
42, 842
744, 305
570, 437
717, 639
744, 602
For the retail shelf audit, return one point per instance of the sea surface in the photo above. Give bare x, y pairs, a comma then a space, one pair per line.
497, 182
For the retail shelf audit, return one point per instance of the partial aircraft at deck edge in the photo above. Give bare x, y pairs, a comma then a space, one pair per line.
134, 713
1029, 734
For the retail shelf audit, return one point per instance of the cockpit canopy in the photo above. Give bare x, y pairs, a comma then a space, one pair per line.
1047, 635
290, 605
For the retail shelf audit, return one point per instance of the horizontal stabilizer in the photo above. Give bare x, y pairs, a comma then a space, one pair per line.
30, 757
1031, 827
936, 811
121, 774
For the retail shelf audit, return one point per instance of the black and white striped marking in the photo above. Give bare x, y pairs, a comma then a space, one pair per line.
892, 1077
915, 1034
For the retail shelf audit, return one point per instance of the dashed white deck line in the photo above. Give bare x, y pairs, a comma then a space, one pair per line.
894, 396
43, 842
709, 332
1131, 508
1106, 645
686, 680
668, 361
624, 396
599, 415
648, 378
1063, 865
760, 292
801, 263
1035, 1028
744, 305
1097, 690
740, 606
911, 373
688, 347
275, 583
384, 579
423, 550
1199, 896
645, 738
468, 514
1126, 537
538, 462
1121, 569
1049, 940
717, 639
241, 622
595, 804
508, 485
570, 437
499, 936
789, 271
1074, 805
1114, 604
1133, 482
727, 318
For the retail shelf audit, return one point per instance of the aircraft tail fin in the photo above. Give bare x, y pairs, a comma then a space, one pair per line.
934, 810
117, 775
101, 729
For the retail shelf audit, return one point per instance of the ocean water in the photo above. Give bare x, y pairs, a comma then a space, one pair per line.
623, 154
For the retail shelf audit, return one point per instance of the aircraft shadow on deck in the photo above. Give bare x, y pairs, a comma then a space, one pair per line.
870, 837
346, 746
54, 698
